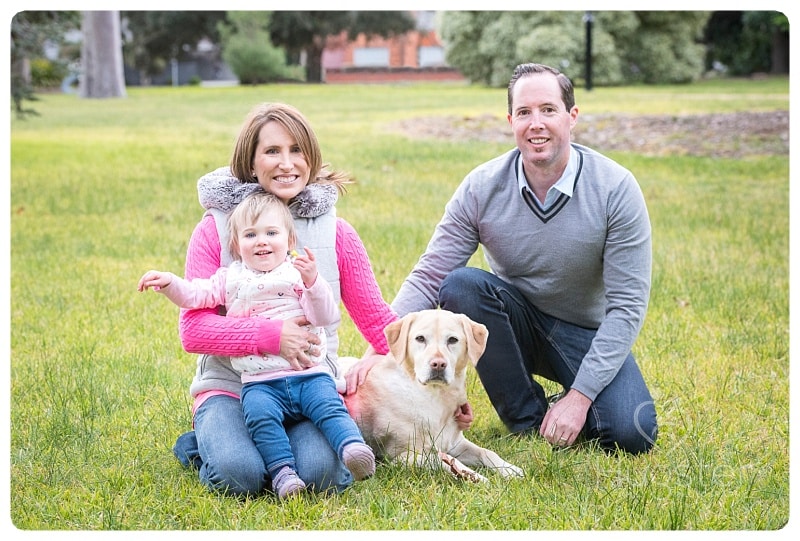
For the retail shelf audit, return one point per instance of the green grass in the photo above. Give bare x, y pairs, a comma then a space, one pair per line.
103, 190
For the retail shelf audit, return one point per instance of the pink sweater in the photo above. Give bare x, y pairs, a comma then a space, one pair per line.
205, 331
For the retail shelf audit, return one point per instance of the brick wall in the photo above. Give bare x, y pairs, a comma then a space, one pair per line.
391, 75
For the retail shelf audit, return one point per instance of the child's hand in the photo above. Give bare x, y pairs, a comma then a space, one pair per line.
307, 265
154, 279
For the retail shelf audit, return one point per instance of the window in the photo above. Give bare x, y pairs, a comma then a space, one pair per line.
431, 57
365, 57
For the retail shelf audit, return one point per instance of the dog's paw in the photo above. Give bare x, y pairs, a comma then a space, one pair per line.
510, 470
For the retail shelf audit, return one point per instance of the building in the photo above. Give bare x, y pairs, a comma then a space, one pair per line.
415, 56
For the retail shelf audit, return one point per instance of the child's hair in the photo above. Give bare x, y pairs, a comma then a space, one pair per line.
249, 211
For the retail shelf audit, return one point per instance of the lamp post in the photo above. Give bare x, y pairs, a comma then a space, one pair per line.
588, 19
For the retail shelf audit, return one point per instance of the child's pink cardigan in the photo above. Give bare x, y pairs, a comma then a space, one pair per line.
205, 331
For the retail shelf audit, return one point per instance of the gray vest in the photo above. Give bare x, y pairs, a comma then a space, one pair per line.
214, 372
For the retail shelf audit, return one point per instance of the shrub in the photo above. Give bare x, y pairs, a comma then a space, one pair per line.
255, 61
47, 73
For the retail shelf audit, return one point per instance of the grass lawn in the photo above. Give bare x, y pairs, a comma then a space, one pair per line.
102, 190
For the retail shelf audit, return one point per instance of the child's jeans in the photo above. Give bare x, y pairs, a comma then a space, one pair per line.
268, 404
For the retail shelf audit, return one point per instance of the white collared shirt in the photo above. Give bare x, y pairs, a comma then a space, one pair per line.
565, 184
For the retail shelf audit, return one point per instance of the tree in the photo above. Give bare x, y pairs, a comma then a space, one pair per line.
667, 48
307, 31
778, 26
102, 73
29, 32
247, 49
745, 42
155, 38
461, 31
628, 47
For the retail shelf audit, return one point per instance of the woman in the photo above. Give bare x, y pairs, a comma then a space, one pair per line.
276, 151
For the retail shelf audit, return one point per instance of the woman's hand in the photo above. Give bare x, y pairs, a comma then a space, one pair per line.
297, 342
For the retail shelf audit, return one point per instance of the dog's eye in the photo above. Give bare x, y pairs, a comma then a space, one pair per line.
420, 339
452, 340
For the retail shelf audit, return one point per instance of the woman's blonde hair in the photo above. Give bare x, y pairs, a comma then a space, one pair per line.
249, 211
298, 127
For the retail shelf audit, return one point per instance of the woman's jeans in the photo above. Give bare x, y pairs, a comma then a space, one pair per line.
523, 341
227, 460
267, 404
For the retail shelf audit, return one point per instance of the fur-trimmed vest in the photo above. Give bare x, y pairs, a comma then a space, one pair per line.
317, 232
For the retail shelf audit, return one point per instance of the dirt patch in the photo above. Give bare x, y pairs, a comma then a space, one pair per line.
718, 135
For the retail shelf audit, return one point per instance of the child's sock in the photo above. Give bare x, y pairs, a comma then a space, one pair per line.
287, 483
359, 459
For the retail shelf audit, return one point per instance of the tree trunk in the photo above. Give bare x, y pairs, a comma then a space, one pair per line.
102, 73
314, 61
780, 52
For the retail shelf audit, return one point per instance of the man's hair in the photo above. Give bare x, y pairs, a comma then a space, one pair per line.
526, 70
249, 211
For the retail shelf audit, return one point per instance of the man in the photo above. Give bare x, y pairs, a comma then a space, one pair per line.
566, 233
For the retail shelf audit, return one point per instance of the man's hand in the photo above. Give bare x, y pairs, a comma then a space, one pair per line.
297, 342
564, 420
358, 372
464, 416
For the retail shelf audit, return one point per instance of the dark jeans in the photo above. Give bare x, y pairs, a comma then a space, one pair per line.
523, 341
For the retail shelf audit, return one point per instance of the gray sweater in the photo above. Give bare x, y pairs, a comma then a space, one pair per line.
587, 260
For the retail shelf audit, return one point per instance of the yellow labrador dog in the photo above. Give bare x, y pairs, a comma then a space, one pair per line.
406, 406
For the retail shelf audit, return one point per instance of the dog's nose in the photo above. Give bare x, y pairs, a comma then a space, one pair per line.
438, 364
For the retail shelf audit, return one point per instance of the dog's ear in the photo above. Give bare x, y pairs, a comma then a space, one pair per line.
397, 336
476, 334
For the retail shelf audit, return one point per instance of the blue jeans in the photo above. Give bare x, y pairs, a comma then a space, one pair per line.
227, 461
267, 404
523, 341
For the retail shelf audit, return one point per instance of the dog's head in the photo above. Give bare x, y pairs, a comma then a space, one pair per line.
434, 346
